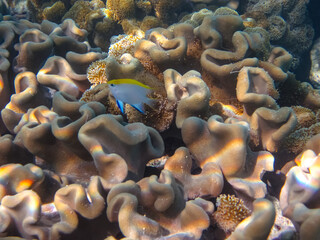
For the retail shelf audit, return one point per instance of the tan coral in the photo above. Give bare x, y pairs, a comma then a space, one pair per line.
127, 149
4, 87
226, 145
258, 225
255, 88
58, 74
42, 132
311, 99
210, 179
72, 205
306, 178
68, 37
11, 152
21, 210
230, 212
224, 65
160, 51
16, 178
277, 64
299, 198
189, 91
217, 31
75, 199
34, 47
28, 93
221, 63
161, 198
270, 127
79, 62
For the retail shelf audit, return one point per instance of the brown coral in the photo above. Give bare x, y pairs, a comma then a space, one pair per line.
15, 178
189, 91
121, 9
210, 178
34, 48
58, 74
226, 145
127, 149
161, 50
55, 12
255, 88
158, 198
230, 212
28, 93
270, 127
259, 224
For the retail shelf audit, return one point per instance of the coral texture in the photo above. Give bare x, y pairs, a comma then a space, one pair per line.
230, 212
229, 149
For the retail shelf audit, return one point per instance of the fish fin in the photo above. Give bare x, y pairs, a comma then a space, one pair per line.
151, 102
139, 107
120, 105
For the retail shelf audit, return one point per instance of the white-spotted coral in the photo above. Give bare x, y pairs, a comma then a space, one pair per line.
124, 44
96, 72
230, 212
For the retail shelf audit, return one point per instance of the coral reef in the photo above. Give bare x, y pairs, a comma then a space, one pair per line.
287, 22
96, 72
121, 9
299, 199
314, 72
230, 212
258, 225
190, 91
228, 150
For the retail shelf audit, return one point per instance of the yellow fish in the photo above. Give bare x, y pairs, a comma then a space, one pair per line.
132, 92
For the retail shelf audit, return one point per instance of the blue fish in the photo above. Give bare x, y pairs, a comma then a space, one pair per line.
132, 92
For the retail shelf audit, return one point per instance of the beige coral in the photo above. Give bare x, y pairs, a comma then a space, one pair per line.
226, 145
255, 88
161, 199
120, 150
58, 74
16, 178
189, 91
210, 179
230, 212
259, 224
270, 127
28, 93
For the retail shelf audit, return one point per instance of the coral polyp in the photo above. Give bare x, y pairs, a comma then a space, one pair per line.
96, 72
231, 211
124, 44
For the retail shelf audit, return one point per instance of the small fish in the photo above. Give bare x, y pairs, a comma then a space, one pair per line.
132, 92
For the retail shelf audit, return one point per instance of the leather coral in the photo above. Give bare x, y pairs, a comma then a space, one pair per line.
165, 213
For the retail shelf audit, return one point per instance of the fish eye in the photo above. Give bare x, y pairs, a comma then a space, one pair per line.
112, 85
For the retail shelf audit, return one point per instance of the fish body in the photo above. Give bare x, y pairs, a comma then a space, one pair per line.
132, 92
